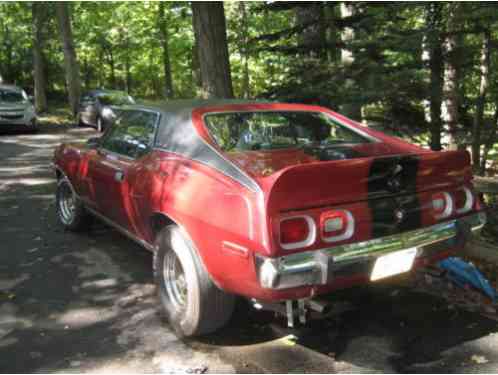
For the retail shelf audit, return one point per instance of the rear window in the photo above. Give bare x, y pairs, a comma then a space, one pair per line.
239, 131
116, 99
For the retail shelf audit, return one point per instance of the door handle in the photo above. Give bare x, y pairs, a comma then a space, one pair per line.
119, 176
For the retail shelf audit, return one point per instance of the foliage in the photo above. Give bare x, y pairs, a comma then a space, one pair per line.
280, 50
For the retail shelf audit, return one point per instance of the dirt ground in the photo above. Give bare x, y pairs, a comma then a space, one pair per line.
86, 303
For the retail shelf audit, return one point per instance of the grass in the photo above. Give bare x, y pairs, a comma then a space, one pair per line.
57, 114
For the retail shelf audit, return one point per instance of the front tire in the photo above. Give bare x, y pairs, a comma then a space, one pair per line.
192, 304
70, 211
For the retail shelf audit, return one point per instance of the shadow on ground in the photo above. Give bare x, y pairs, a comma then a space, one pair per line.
86, 302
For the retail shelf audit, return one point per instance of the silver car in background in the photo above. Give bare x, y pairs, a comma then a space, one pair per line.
16, 109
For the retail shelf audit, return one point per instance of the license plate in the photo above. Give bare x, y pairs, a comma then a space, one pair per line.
393, 264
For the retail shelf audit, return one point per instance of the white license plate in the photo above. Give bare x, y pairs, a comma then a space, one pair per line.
393, 263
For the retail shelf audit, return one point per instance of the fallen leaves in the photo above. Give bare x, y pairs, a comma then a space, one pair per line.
479, 359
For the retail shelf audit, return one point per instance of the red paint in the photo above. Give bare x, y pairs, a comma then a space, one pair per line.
226, 221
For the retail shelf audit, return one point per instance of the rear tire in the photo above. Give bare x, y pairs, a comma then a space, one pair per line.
70, 211
191, 302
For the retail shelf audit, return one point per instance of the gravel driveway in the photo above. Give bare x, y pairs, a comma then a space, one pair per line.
86, 303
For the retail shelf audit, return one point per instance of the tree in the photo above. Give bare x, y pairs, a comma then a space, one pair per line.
434, 40
211, 38
481, 99
163, 32
72, 69
352, 109
451, 88
38, 15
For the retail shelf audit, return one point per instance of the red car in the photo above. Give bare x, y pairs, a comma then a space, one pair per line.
278, 203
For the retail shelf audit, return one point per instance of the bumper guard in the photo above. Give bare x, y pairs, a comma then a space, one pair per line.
318, 267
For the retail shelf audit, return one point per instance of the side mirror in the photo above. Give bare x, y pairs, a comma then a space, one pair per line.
93, 142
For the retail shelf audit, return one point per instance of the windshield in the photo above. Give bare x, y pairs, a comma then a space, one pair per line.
115, 99
10, 96
239, 131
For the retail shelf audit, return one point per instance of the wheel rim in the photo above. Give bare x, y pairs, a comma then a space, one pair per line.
66, 203
175, 281
99, 124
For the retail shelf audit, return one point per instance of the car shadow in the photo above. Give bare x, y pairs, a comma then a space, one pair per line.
391, 328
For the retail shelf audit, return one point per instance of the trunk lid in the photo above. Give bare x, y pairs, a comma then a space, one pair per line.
345, 181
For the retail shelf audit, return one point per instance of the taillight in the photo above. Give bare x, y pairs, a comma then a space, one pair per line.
442, 205
464, 200
297, 232
336, 225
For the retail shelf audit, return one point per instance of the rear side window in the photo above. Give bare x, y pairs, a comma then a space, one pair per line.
132, 135
239, 131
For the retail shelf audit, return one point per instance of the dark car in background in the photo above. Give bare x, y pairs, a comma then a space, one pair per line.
99, 108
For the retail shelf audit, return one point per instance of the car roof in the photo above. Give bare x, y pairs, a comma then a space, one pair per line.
105, 91
187, 105
10, 87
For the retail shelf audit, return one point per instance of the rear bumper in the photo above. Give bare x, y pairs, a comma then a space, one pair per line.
321, 267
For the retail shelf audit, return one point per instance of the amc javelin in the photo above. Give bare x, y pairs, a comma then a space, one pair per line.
278, 203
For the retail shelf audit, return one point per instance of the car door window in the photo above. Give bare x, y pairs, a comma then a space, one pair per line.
132, 135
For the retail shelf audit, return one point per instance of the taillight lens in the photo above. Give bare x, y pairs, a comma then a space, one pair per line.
336, 225
464, 200
442, 205
297, 232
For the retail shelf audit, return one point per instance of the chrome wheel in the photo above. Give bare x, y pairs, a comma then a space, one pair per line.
175, 281
67, 204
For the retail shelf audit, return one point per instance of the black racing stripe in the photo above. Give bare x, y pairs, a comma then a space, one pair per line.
392, 188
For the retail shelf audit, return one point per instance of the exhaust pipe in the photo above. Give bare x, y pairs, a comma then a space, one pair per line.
320, 306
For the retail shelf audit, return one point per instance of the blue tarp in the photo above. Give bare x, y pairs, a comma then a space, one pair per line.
463, 273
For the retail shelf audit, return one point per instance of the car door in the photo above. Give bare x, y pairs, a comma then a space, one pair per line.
122, 149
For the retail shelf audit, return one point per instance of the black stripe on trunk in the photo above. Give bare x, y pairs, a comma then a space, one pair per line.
393, 202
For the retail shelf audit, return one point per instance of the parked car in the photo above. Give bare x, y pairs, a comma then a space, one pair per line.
278, 203
99, 108
16, 109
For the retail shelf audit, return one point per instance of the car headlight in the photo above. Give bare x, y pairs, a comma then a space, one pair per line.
30, 110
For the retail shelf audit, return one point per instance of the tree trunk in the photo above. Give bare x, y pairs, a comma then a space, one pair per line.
490, 141
244, 50
481, 100
110, 55
163, 32
210, 34
331, 34
351, 109
37, 13
86, 73
127, 70
196, 69
451, 75
100, 67
313, 36
434, 20
72, 68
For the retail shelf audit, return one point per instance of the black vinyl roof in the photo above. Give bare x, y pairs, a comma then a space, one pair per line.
184, 105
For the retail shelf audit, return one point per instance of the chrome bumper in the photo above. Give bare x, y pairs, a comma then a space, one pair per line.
319, 267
